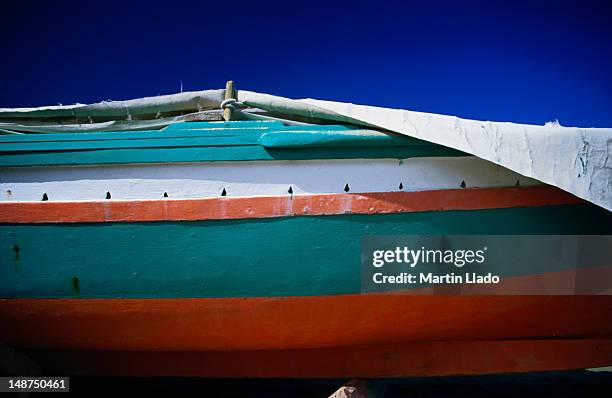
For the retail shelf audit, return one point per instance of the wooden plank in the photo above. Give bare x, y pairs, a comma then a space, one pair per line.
229, 94
320, 139
240, 208
185, 129
213, 154
147, 143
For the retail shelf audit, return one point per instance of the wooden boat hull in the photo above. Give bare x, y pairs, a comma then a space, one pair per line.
332, 336
186, 303
241, 265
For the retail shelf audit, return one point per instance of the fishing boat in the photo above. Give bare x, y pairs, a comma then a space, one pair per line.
217, 233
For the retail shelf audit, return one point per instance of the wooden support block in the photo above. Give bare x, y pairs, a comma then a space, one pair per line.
229, 94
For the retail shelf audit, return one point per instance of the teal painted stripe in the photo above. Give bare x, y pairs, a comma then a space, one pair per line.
113, 138
206, 141
142, 143
27, 138
309, 139
239, 258
186, 129
212, 154
178, 130
151, 139
225, 137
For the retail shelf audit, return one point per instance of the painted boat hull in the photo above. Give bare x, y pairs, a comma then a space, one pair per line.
245, 262
131, 314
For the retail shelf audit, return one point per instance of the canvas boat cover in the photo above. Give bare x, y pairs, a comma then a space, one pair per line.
577, 160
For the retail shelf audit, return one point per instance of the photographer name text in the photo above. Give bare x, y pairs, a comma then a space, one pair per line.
411, 258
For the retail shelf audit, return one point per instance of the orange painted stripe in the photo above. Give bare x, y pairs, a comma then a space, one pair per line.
304, 322
398, 360
320, 336
333, 336
281, 206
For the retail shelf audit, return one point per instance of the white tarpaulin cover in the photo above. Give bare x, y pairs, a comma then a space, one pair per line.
578, 160
188, 101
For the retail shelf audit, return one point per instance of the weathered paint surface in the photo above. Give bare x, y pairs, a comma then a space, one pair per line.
197, 142
389, 335
240, 258
227, 208
257, 178
102, 279
321, 138
296, 322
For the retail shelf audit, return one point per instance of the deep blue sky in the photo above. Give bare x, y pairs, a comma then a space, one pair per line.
527, 62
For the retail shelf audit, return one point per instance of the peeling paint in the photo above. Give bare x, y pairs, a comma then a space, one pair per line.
278, 206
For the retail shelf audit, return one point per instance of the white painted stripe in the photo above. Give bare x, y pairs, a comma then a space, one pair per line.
254, 178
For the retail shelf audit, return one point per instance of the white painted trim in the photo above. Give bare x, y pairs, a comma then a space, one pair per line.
253, 178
